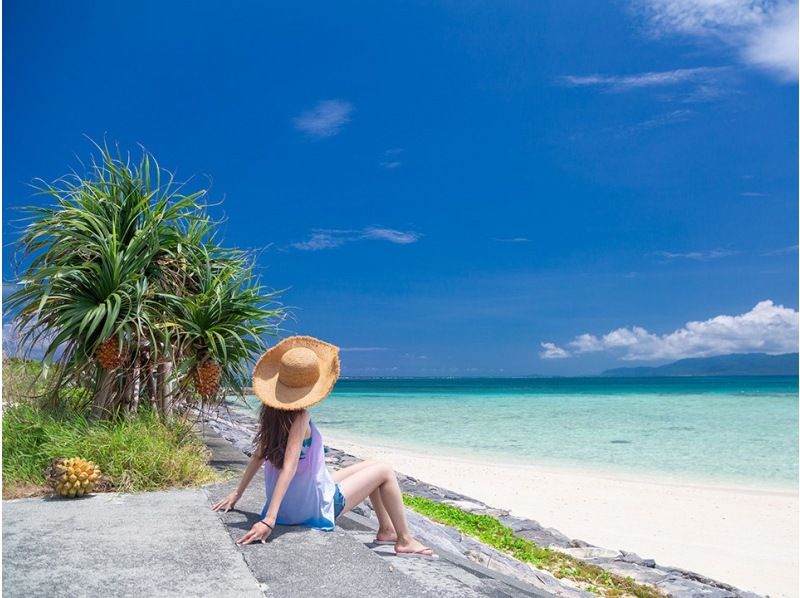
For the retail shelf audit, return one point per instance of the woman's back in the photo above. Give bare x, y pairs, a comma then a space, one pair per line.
309, 498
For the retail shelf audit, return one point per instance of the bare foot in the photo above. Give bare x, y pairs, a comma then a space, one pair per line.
412, 546
386, 535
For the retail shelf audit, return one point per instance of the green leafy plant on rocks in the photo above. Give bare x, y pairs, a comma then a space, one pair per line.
492, 532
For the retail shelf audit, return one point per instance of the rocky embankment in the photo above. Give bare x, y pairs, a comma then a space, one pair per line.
239, 429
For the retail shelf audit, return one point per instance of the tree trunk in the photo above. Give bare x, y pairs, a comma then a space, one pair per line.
102, 399
151, 386
136, 389
165, 388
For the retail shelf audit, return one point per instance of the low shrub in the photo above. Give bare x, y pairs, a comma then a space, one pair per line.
139, 452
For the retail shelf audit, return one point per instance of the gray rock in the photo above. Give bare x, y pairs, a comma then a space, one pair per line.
591, 552
638, 573
681, 587
579, 544
632, 557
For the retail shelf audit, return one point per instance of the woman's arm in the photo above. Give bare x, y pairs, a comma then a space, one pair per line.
290, 459
230, 501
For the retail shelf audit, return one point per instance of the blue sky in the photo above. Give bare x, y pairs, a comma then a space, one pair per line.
453, 188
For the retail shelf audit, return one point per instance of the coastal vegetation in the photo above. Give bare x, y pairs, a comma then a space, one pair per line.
492, 532
126, 290
134, 312
142, 451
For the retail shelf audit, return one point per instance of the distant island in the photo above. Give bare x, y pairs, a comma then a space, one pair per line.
739, 364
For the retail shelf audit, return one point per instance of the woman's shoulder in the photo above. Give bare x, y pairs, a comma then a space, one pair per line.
303, 418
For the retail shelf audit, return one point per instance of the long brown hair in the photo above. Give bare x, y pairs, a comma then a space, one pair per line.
273, 433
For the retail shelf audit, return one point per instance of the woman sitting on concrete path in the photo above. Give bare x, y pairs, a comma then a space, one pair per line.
289, 378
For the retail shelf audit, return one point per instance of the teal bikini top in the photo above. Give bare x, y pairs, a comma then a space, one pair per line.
304, 448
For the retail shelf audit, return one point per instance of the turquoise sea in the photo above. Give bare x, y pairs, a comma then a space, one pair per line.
737, 429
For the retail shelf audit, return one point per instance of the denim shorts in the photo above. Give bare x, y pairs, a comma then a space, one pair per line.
338, 501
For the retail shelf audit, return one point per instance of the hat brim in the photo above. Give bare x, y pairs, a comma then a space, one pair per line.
272, 393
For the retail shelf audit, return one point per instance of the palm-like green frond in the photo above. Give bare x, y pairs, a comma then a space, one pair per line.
124, 253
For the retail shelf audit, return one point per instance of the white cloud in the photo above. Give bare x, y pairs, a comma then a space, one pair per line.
660, 120
767, 328
620, 83
392, 158
699, 256
326, 119
586, 343
514, 240
387, 234
323, 238
552, 351
763, 32
781, 251
34, 347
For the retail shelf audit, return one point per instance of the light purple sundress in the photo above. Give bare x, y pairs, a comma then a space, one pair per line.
309, 499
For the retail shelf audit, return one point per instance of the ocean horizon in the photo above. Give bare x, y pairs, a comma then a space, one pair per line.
739, 430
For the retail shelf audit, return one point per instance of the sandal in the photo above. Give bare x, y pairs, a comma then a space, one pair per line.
419, 554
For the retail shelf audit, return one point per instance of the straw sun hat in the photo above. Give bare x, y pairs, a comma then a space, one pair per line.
296, 373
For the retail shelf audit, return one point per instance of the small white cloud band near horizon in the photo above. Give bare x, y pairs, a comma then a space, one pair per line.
763, 34
767, 328
326, 119
323, 238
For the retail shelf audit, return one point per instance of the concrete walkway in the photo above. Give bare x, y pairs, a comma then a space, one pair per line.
173, 544
151, 544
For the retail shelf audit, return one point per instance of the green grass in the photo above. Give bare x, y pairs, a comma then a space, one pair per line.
138, 453
490, 531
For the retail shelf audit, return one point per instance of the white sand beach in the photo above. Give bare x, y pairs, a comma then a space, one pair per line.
745, 536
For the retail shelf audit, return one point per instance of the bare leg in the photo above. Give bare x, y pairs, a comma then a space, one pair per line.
386, 531
381, 477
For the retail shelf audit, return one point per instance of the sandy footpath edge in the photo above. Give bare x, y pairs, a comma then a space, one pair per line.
746, 536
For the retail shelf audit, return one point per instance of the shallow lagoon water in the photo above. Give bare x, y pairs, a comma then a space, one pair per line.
736, 429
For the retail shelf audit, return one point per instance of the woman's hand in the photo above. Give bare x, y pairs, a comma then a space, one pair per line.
258, 533
228, 502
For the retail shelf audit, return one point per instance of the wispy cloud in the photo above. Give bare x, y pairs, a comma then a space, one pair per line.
388, 234
326, 119
324, 238
767, 328
552, 351
514, 240
661, 120
621, 83
763, 32
752, 194
781, 251
699, 256
34, 346
392, 158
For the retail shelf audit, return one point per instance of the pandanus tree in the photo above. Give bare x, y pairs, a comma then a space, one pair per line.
128, 290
